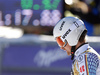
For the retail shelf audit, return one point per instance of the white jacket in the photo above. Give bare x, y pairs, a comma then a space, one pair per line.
86, 62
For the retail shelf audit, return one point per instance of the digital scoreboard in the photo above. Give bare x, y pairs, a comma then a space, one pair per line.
30, 12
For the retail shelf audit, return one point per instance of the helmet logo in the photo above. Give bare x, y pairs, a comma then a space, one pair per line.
62, 25
67, 32
76, 24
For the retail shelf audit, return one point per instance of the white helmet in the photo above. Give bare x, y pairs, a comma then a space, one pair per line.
70, 29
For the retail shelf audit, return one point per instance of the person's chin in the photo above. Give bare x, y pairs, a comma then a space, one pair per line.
68, 53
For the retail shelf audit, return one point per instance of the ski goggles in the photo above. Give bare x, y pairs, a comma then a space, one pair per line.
60, 42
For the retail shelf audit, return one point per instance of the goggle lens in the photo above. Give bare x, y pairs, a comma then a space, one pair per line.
60, 42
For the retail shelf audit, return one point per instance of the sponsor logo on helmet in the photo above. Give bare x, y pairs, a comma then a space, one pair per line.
67, 32
62, 25
76, 24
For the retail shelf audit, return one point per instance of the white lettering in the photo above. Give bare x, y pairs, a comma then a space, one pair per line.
45, 58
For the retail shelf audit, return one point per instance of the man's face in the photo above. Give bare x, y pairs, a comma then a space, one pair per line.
64, 45
67, 48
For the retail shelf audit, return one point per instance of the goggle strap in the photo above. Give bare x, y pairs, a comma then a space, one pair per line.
65, 43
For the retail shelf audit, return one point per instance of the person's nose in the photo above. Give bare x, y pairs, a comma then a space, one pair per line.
62, 48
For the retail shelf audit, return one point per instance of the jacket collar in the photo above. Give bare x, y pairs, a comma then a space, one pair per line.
81, 49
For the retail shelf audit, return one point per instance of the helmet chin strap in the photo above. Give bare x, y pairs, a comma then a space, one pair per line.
72, 52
